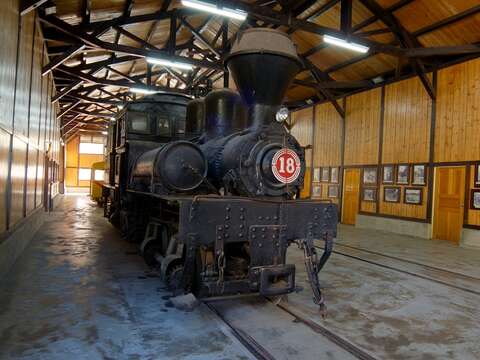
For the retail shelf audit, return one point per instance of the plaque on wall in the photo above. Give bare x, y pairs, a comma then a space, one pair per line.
332, 191
370, 176
419, 175
413, 196
388, 174
391, 194
325, 174
403, 172
334, 175
369, 194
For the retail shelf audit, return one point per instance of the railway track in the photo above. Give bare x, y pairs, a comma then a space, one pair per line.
444, 277
260, 352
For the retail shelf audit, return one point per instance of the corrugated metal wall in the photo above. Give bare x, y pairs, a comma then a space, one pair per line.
29, 131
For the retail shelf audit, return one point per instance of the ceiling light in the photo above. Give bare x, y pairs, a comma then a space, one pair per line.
345, 44
211, 8
120, 107
142, 91
104, 133
173, 64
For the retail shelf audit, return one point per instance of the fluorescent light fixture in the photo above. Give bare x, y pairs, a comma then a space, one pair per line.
211, 8
345, 44
104, 133
142, 91
173, 64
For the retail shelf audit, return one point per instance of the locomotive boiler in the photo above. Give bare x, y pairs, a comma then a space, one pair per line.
218, 208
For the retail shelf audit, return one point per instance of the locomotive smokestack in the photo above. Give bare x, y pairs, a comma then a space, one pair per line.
263, 64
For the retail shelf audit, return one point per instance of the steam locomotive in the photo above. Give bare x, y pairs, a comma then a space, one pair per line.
209, 187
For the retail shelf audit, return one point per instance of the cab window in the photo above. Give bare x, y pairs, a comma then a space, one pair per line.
138, 122
163, 126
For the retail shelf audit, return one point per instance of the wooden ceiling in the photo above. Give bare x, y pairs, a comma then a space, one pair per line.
97, 48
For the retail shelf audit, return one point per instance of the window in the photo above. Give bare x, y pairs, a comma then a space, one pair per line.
98, 176
91, 148
163, 126
139, 122
84, 174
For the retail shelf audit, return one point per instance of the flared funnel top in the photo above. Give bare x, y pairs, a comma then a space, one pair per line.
263, 63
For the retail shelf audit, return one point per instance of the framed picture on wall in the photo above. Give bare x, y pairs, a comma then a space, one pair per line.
391, 194
413, 196
477, 174
334, 175
403, 174
325, 174
369, 194
332, 191
317, 191
370, 176
388, 174
316, 174
419, 175
475, 200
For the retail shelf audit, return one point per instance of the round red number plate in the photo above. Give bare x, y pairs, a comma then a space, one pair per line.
286, 165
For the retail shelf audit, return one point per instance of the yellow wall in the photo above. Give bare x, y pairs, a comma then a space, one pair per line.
75, 161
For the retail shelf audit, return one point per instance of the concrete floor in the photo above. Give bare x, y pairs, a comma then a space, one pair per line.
79, 292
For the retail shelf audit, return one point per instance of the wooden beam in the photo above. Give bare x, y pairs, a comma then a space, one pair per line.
346, 16
59, 60
405, 38
444, 51
320, 77
140, 52
68, 108
87, 11
335, 84
200, 37
275, 17
448, 21
29, 5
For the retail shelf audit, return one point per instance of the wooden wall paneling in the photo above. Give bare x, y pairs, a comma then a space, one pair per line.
401, 209
8, 60
302, 130
362, 128
406, 130
457, 124
40, 178
72, 152
19, 149
432, 141
328, 136
30, 179
24, 74
4, 165
87, 160
36, 89
71, 176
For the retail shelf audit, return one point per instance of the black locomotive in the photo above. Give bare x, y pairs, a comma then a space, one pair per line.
210, 188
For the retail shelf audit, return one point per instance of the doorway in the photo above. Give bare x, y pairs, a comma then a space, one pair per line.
351, 196
449, 203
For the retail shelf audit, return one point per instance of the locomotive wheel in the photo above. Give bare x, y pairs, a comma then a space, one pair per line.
149, 251
173, 279
130, 228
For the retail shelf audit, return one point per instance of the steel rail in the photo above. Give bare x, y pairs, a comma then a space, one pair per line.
409, 272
